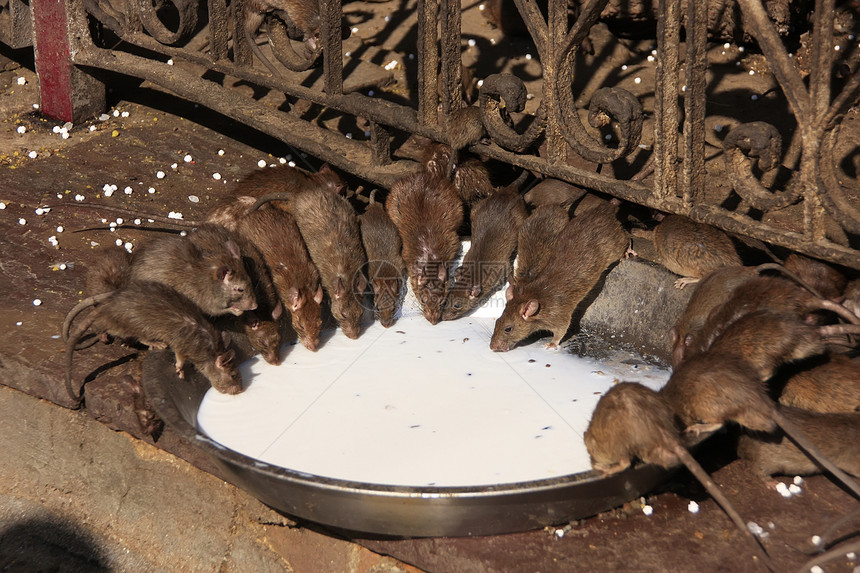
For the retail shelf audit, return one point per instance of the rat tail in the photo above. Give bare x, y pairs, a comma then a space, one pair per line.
797, 436
79, 308
699, 472
267, 198
71, 343
830, 555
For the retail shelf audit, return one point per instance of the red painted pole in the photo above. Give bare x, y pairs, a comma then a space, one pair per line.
67, 93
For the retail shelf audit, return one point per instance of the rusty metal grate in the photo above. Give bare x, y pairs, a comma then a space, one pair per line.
795, 198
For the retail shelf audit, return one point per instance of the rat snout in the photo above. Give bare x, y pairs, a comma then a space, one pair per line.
499, 346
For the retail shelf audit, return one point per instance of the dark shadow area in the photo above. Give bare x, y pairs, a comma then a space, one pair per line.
37, 546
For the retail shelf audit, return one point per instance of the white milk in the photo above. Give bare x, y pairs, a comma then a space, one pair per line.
420, 405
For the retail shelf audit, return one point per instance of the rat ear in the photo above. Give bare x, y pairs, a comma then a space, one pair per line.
418, 272
475, 291
233, 249
688, 340
673, 335
339, 289
223, 361
530, 309
318, 296
294, 299
443, 272
277, 311
222, 273
509, 293
225, 338
360, 283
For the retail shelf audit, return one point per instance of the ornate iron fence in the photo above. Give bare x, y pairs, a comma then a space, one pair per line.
828, 226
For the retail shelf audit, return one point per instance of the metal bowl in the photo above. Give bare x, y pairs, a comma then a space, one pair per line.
392, 510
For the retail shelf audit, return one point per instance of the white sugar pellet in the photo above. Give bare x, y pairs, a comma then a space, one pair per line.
116, 113
60, 229
798, 480
151, 190
647, 509
174, 165
816, 569
752, 72
104, 117
56, 129
194, 198
355, 30
22, 221
106, 187
120, 220
37, 302
40, 211
124, 114
128, 246
170, 62
92, 128
727, 45
35, 106
137, 221
558, 532
650, 58
63, 266
391, 65
482, 7
112, 225
693, 507
528, 56
653, 52
79, 197
216, 176
292, 163
21, 129
741, 49
837, 47
53, 240
756, 529
220, 152
282, 160
261, 163
783, 490
348, 135
118, 242
851, 556
159, 174
183, 233
624, 67
19, 323
794, 489
174, 215
480, 83
22, 80
637, 80
64, 135
188, 159
128, 190
2, 205
816, 540
472, 42
108, 191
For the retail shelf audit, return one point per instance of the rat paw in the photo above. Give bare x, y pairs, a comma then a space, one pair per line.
684, 281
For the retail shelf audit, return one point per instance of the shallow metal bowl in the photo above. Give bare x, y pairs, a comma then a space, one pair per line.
392, 510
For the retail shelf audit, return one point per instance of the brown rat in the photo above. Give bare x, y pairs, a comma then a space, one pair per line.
763, 293
496, 221
632, 422
536, 239
287, 179
294, 277
330, 229
385, 268
427, 213
852, 296
128, 313
206, 266
582, 252
692, 249
836, 434
824, 279
727, 383
554, 192
711, 292
469, 176
830, 385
